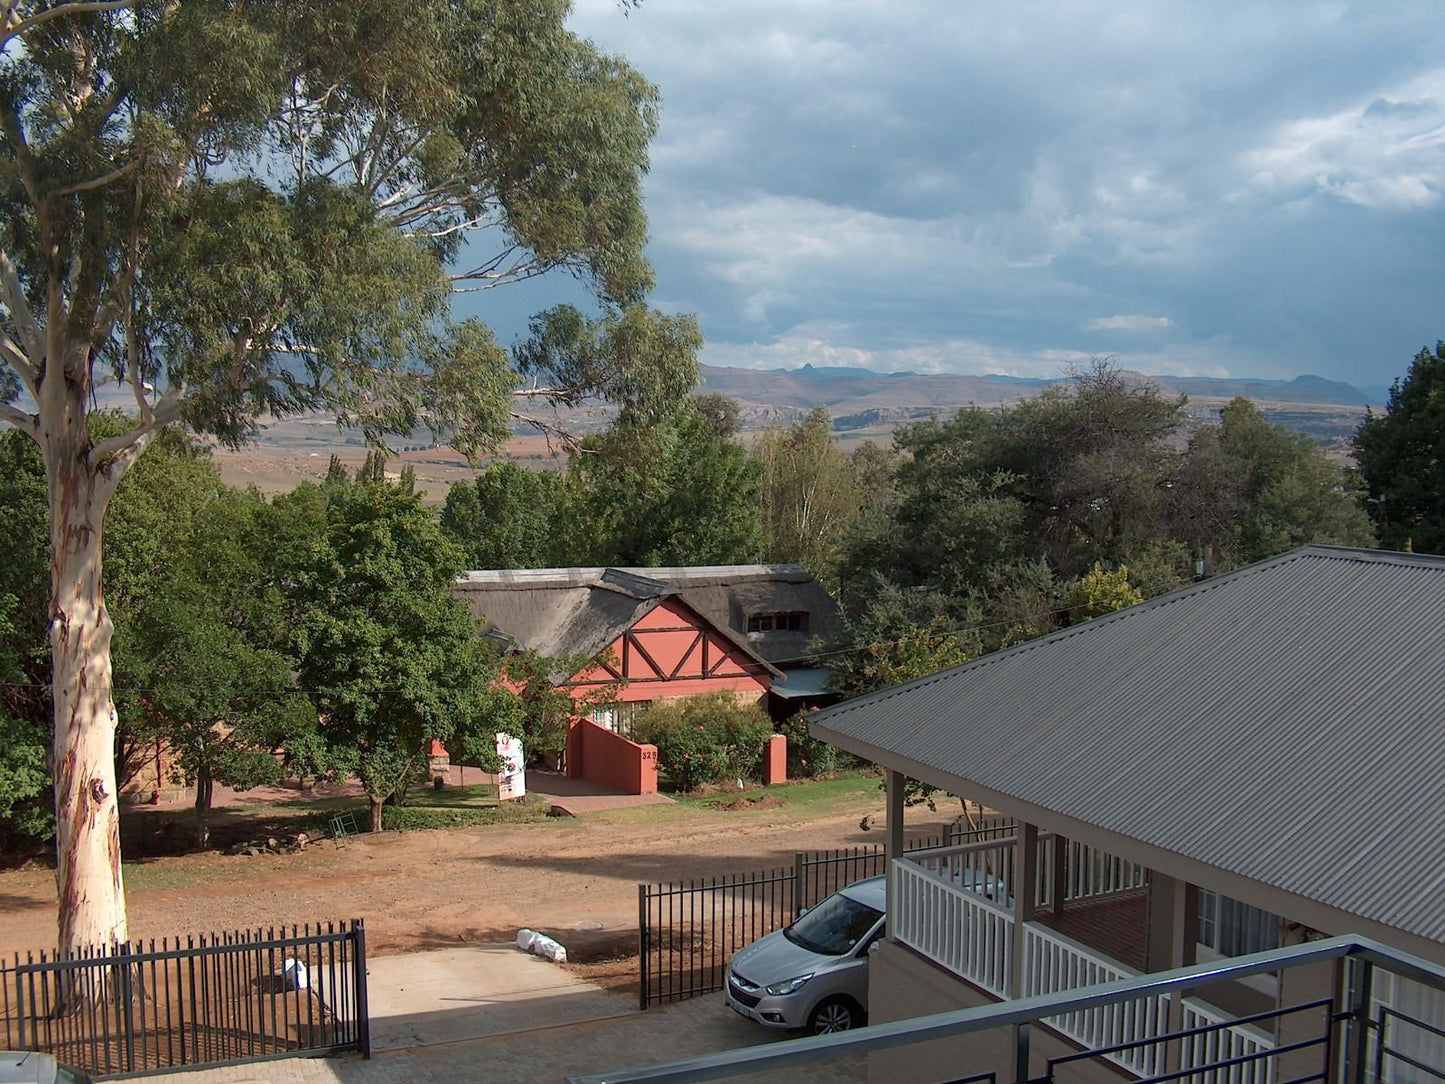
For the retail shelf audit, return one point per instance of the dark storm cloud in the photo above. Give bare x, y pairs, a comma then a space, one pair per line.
1246, 189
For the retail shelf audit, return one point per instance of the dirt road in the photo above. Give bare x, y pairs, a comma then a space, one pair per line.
423, 890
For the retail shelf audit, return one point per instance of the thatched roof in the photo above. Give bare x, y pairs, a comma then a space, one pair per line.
571, 611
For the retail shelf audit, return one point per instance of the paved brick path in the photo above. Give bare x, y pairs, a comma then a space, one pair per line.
545, 1056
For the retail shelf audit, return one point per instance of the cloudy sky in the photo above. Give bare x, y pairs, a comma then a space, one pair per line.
1216, 189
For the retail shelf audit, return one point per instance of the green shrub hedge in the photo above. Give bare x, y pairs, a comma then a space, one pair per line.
705, 739
413, 818
809, 757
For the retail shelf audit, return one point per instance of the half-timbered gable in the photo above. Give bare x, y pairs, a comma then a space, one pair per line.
672, 650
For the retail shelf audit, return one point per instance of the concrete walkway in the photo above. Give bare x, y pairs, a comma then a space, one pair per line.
579, 796
452, 995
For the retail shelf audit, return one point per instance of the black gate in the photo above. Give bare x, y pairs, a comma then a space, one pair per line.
214, 1000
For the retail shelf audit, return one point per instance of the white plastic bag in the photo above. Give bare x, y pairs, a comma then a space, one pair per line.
548, 949
526, 938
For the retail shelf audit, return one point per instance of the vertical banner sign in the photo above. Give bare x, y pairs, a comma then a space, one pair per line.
513, 781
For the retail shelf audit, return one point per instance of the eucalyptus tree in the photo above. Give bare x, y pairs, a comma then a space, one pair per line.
809, 495
237, 209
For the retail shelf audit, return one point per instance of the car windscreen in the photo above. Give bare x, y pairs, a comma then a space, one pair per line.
834, 927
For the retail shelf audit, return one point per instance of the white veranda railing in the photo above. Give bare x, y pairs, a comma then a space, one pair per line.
953, 906
953, 926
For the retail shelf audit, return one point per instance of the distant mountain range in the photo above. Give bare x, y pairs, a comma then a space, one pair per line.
859, 398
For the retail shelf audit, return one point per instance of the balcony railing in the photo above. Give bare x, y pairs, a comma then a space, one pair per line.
944, 911
1351, 1041
955, 908
1088, 873
1053, 963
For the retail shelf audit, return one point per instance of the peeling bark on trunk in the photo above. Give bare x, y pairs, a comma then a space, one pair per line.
375, 812
87, 815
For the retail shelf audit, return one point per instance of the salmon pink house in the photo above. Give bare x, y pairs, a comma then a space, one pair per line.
650, 634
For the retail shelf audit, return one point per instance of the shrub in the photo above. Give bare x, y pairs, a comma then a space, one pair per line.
705, 739
808, 757
691, 756
411, 818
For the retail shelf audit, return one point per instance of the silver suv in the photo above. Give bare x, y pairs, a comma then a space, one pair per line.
814, 973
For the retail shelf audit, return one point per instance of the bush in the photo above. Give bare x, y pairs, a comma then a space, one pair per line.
705, 739
691, 757
414, 818
808, 757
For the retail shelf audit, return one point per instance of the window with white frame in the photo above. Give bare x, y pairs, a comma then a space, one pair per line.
1230, 928
619, 718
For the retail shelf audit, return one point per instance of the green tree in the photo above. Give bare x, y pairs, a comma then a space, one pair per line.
26, 805
915, 652
667, 493
25, 810
1401, 455
511, 517
197, 657
809, 494
223, 706
391, 659
720, 411
1248, 489
1101, 592
235, 209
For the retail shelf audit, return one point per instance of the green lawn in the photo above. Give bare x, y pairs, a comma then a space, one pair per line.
796, 800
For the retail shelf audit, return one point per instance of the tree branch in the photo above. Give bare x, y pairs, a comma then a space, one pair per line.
565, 437
26, 423
121, 445
132, 375
19, 362
18, 28
457, 227
25, 363
492, 281
97, 182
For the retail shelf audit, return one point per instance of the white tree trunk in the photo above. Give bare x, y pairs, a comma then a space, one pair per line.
87, 816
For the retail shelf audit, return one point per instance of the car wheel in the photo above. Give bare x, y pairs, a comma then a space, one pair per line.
835, 1014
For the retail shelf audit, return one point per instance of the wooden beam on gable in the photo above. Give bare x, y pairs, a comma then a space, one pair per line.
699, 638
637, 643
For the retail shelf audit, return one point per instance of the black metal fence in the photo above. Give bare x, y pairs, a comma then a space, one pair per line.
689, 930
247, 996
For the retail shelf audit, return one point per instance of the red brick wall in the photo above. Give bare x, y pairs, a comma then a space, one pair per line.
775, 760
595, 753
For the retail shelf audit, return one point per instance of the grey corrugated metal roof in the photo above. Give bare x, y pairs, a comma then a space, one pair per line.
803, 682
1285, 723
